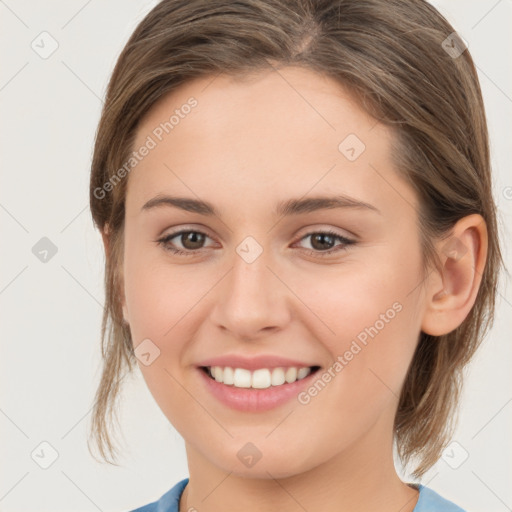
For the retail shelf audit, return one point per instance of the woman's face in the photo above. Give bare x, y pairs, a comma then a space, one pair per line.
257, 280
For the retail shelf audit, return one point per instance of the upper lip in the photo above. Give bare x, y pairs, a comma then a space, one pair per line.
254, 362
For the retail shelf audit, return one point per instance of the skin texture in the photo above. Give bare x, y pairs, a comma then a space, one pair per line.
247, 145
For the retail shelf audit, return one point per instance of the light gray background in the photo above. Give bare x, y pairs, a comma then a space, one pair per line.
51, 312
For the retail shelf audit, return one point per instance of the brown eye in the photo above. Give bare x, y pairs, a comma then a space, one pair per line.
190, 241
323, 243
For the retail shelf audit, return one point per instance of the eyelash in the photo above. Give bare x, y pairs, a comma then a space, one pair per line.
164, 241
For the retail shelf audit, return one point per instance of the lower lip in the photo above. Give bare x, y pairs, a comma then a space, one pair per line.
255, 400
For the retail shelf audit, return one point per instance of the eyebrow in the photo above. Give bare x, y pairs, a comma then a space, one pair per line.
283, 208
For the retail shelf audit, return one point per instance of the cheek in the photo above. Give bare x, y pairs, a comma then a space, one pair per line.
369, 316
158, 294
166, 305
346, 299
160, 302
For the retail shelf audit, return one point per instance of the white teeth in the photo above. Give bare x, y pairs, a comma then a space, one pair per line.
258, 379
241, 377
261, 379
217, 373
303, 372
291, 374
228, 376
277, 377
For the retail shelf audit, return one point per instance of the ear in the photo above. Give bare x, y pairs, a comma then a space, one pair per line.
452, 292
106, 244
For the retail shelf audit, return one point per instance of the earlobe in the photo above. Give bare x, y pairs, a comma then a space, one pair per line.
451, 296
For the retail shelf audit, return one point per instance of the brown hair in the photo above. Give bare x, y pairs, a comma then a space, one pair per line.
390, 55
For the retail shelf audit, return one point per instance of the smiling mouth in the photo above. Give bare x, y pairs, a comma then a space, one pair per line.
258, 379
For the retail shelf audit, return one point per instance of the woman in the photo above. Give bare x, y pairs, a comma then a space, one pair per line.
296, 204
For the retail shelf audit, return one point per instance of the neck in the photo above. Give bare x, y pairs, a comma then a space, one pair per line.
360, 478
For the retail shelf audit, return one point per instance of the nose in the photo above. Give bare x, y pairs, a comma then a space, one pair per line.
252, 300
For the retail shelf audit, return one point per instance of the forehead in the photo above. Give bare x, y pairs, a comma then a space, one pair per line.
275, 133
258, 101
